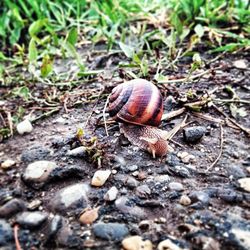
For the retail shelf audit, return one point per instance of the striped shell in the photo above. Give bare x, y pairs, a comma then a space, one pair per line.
138, 102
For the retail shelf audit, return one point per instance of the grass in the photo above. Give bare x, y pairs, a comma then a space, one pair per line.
38, 33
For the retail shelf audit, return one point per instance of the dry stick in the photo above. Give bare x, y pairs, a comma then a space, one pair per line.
186, 78
98, 97
173, 114
9, 118
47, 114
221, 149
172, 132
207, 117
18, 246
177, 143
246, 130
104, 117
198, 103
232, 101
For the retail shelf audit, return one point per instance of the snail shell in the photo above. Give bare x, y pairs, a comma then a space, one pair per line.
138, 102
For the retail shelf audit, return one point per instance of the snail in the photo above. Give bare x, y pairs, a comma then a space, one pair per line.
138, 106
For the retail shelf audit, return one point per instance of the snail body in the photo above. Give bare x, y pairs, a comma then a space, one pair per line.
138, 106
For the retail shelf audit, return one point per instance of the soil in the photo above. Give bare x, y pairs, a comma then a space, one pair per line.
218, 203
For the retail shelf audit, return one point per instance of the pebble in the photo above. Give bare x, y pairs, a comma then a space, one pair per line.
245, 183
248, 170
169, 245
199, 196
24, 127
235, 171
193, 134
135, 173
38, 172
7, 164
6, 234
72, 199
162, 178
77, 152
180, 171
100, 177
242, 236
31, 219
136, 243
35, 153
240, 64
144, 225
176, 186
110, 231
172, 160
143, 191
229, 195
89, 216
131, 182
12, 207
124, 205
34, 204
54, 225
186, 157
111, 195
132, 168
185, 200
65, 236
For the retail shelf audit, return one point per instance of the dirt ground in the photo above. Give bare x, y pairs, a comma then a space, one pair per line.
193, 202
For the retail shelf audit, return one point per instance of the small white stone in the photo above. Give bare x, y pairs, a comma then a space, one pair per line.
245, 183
100, 177
136, 173
24, 127
242, 236
182, 154
162, 178
80, 151
59, 120
248, 169
8, 164
186, 157
240, 64
136, 243
177, 186
185, 200
111, 194
39, 171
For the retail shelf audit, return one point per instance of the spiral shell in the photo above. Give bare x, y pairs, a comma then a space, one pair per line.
137, 102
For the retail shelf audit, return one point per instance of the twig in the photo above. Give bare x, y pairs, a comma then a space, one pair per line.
244, 129
45, 114
221, 149
169, 135
98, 98
207, 117
177, 143
216, 58
65, 103
232, 101
173, 114
104, 117
175, 60
18, 246
198, 103
186, 78
9, 118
